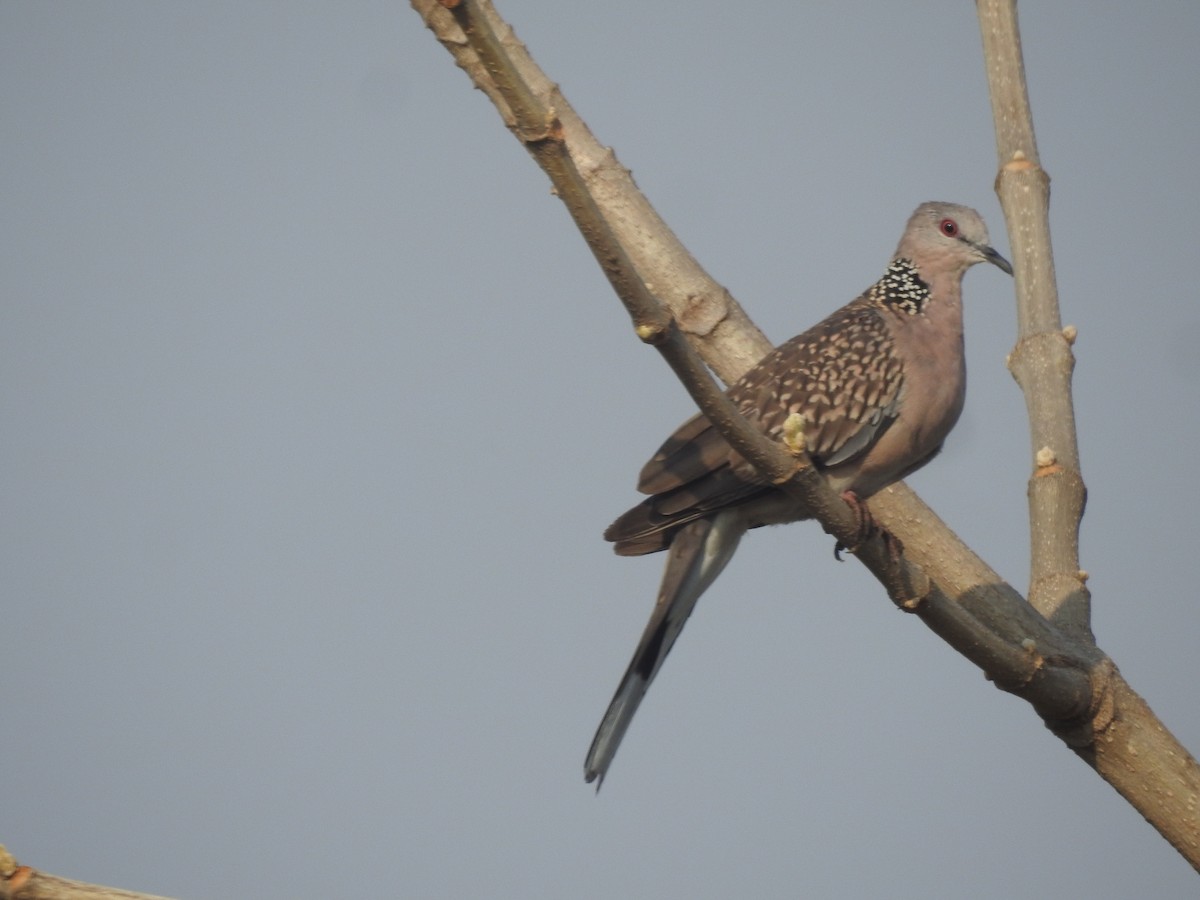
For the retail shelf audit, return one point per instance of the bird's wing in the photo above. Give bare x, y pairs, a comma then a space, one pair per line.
841, 376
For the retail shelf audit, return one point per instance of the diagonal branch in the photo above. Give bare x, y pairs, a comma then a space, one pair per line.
1071, 684
1013, 650
26, 883
729, 342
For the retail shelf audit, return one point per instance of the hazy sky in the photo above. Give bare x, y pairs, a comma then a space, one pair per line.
315, 407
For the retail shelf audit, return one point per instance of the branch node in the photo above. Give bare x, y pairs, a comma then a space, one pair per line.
702, 312
653, 333
911, 604
18, 879
795, 434
1020, 163
1070, 332
1045, 459
549, 131
1024, 678
1103, 707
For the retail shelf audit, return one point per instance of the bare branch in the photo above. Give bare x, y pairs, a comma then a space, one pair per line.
30, 884
1058, 687
1129, 747
1042, 361
1073, 686
713, 322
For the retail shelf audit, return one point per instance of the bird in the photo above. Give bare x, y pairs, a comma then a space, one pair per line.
877, 387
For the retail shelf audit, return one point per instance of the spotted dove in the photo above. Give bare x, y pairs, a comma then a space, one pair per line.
877, 386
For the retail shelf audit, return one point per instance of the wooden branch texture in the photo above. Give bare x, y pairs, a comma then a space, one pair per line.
1003, 654
1130, 747
19, 882
1045, 655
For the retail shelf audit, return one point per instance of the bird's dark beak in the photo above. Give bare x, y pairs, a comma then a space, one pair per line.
994, 258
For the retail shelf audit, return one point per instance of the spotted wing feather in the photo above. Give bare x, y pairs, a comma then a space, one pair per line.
841, 376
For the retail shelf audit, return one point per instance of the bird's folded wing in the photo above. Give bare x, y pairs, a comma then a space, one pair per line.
819, 375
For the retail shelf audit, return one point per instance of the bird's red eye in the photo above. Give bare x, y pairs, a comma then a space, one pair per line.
949, 227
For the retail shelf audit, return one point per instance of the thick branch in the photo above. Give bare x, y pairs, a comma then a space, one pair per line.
1057, 687
1070, 683
730, 343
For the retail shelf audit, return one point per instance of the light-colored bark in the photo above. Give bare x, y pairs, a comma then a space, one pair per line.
1042, 652
1042, 361
25, 883
1129, 747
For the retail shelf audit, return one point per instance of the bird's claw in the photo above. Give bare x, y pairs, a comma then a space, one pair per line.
865, 528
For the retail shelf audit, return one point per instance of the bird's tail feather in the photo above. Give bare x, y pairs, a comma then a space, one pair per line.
696, 557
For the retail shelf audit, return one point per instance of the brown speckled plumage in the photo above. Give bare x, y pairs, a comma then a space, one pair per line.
879, 385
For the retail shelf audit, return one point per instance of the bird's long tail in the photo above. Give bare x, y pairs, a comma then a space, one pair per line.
696, 557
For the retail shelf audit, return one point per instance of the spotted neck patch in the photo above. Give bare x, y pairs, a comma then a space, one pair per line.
901, 288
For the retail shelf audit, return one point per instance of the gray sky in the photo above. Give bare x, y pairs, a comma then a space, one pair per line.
315, 407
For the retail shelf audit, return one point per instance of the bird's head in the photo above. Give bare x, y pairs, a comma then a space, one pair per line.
950, 238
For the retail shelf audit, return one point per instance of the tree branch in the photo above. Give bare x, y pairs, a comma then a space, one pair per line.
703, 309
1042, 361
1071, 684
1131, 748
533, 119
23, 882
